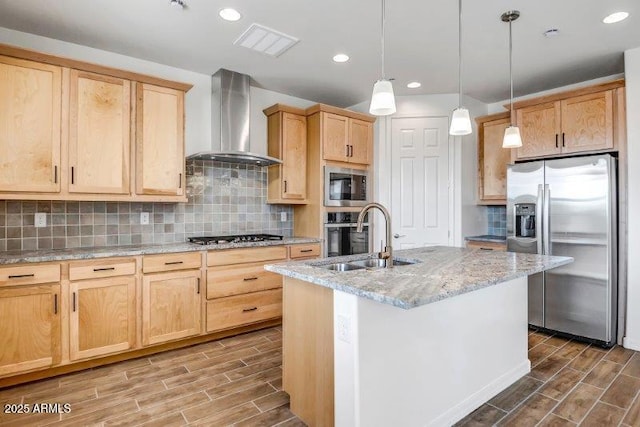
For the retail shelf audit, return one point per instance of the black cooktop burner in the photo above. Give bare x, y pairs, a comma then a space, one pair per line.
216, 240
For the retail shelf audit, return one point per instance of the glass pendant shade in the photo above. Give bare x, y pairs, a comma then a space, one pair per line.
383, 102
512, 137
460, 122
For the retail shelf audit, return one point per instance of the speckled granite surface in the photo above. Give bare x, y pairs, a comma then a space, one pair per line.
487, 238
440, 272
16, 257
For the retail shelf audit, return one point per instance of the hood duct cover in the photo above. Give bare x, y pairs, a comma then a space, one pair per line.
230, 114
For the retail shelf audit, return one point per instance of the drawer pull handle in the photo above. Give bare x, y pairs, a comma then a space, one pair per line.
55, 303
174, 263
20, 276
245, 310
248, 279
104, 269
306, 250
486, 249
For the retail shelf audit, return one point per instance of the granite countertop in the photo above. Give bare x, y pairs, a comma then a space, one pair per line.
16, 257
487, 238
440, 272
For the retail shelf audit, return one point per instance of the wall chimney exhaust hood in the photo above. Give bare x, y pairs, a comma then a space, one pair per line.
230, 114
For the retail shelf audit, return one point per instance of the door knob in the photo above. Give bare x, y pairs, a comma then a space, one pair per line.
397, 236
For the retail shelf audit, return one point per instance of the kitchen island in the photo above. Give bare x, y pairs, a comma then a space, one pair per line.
420, 344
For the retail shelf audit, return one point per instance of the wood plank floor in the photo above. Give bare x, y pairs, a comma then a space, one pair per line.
570, 384
238, 381
233, 381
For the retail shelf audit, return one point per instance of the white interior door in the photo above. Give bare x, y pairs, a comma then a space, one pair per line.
419, 181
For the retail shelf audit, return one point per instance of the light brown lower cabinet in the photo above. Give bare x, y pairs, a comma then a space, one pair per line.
171, 306
229, 312
486, 246
29, 327
121, 306
103, 316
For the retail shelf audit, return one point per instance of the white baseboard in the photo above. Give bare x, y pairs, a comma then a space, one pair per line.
631, 343
476, 400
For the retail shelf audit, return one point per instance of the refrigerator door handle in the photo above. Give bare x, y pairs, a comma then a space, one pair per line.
546, 223
539, 220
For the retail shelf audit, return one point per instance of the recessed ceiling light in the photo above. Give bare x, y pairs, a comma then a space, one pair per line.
552, 32
341, 57
615, 17
414, 85
229, 14
178, 4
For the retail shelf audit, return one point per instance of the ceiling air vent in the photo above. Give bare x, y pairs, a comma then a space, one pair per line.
265, 40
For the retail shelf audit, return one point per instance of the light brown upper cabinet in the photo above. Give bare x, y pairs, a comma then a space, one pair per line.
587, 122
71, 130
583, 120
492, 159
160, 141
361, 141
540, 128
99, 134
30, 108
345, 139
287, 141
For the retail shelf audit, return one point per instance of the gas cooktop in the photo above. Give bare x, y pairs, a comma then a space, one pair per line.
244, 238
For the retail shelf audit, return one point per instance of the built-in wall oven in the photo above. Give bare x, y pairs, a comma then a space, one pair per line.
345, 187
341, 237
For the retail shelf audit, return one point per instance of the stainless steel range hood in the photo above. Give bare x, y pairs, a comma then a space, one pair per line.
230, 114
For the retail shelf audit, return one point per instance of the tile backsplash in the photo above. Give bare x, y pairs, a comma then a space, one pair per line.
223, 198
497, 220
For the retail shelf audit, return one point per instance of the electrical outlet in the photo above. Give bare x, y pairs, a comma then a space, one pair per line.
344, 328
40, 220
144, 218
283, 217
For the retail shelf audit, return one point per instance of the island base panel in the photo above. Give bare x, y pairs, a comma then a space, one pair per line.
308, 356
430, 365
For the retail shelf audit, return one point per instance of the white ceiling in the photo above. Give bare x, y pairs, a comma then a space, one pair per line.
421, 41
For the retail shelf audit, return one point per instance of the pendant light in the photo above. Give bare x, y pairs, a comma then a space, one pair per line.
512, 137
383, 102
460, 120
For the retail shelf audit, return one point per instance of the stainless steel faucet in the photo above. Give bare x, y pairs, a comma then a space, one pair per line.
387, 253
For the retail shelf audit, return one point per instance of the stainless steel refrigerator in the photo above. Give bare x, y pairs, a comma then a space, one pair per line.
567, 207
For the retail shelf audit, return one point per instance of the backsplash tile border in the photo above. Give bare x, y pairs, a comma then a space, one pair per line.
223, 198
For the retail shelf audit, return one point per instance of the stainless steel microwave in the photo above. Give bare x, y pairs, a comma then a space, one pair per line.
346, 187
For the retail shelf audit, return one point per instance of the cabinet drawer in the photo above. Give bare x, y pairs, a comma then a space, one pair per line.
487, 246
224, 313
82, 270
170, 262
240, 279
304, 251
29, 274
238, 256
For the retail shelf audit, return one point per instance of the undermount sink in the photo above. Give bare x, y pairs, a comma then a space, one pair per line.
379, 263
342, 266
365, 263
